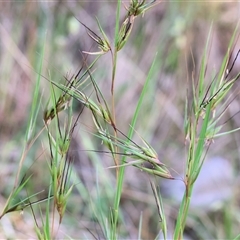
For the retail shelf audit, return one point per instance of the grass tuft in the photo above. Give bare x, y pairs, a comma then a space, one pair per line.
101, 163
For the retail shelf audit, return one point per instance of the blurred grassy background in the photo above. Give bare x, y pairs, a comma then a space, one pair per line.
178, 32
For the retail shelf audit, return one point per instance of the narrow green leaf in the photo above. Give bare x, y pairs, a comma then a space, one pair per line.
130, 134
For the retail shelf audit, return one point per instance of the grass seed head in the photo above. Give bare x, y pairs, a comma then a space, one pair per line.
103, 43
140, 7
62, 104
125, 31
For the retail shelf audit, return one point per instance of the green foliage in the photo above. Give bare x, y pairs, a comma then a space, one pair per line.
99, 201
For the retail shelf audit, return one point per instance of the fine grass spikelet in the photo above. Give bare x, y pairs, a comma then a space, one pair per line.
125, 31
103, 43
140, 7
62, 104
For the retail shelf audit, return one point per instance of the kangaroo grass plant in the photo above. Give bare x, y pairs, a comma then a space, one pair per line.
201, 126
204, 110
